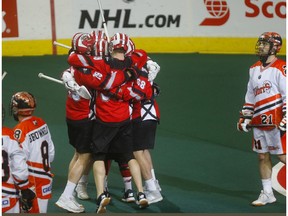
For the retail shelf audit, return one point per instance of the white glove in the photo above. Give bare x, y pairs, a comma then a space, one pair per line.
244, 120
69, 81
153, 69
242, 125
282, 125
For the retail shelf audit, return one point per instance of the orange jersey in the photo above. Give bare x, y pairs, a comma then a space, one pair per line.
34, 137
266, 92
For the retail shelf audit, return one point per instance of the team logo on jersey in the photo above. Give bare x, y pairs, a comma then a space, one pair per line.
265, 88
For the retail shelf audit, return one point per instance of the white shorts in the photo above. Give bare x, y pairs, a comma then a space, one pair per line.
269, 141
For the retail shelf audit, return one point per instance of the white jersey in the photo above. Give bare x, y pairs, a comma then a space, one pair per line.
14, 170
266, 92
35, 139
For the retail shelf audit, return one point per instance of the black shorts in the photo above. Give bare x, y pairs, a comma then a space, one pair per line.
108, 139
144, 133
80, 135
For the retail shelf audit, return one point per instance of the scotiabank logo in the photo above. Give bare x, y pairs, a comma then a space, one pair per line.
219, 11
269, 9
9, 19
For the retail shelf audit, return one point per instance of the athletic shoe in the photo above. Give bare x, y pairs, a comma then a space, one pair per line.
153, 196
102, 201
264, 198
141, 201
81, 190
70, 204
128, 196
158, 185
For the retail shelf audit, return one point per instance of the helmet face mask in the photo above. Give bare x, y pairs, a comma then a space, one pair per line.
22, 104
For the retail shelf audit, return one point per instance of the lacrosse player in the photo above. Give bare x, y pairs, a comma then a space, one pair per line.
34, 138
14, 175
265, 110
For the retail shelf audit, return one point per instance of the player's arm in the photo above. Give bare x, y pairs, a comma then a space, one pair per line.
282, 89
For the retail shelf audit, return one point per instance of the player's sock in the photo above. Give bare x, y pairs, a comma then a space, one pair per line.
153, 174
83, 179
150, 184
68, 191
267, 185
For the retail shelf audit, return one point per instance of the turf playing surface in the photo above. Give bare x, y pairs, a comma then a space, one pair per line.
203, 163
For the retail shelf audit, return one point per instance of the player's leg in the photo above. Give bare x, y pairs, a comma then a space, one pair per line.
81, 188
128, 195
99, 173
260, 145
148, 157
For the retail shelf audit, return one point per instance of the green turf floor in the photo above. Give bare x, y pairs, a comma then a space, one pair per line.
203, 163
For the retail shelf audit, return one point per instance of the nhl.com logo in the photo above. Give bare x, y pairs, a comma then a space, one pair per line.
219, 11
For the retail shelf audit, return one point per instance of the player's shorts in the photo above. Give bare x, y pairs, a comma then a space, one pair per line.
144, 133
108, 139
80, 135
272, 141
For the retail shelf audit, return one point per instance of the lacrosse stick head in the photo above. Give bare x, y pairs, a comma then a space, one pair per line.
82, 43
22, 104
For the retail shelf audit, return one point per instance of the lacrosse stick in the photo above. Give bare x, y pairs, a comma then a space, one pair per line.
103, 20
261, 125
62, 45
4, 74
82, 91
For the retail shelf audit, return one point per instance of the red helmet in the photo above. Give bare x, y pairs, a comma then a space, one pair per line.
83, 42
119, 40
98, 35
131, 47
100, 48
272, 39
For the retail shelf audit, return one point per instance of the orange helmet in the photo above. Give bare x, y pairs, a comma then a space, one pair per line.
273, 39
22, 103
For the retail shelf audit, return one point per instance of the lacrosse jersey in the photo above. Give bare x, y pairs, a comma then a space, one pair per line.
35, 139
266, 92
14, 170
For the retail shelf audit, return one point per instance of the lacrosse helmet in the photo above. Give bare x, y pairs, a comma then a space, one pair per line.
100, 48
118, 41
83, 42
272, 39
22, 103
98, 35
131, 47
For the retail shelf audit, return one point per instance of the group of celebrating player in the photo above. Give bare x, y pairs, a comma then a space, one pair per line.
114, 117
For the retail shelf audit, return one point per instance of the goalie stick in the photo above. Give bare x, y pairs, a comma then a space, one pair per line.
82, 91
